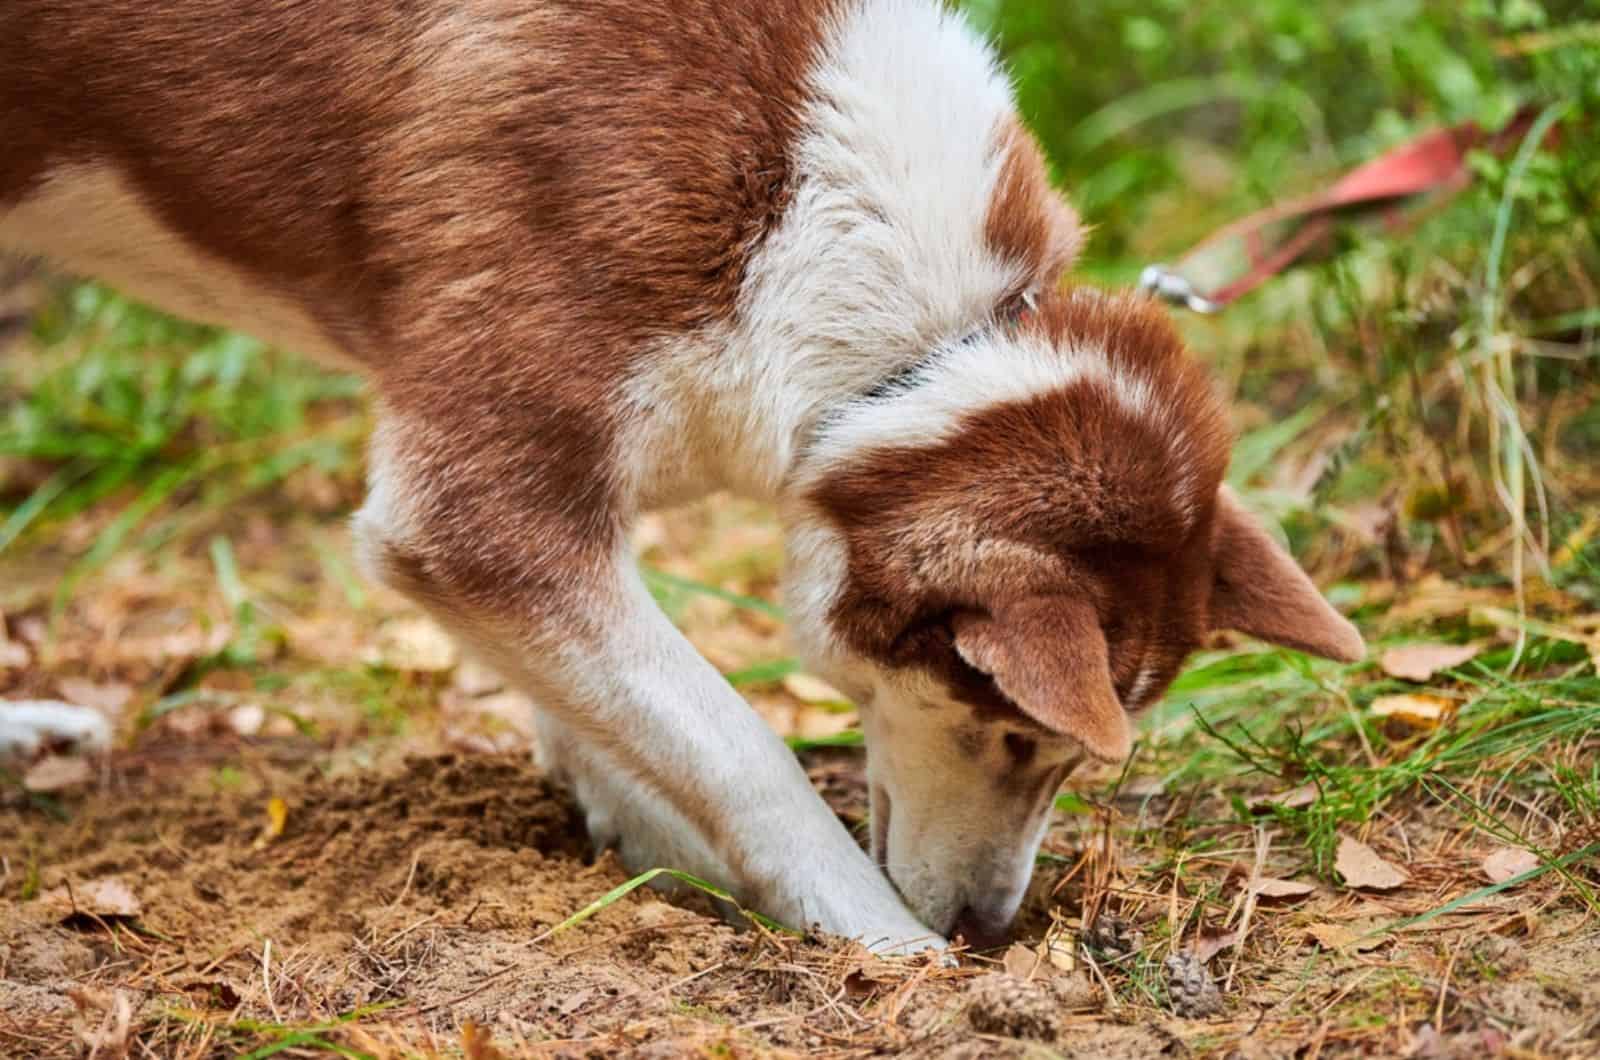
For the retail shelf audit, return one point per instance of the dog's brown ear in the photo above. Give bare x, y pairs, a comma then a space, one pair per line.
1048, 656
1260, 590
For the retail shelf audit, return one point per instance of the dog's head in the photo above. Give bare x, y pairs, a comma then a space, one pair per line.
999, 583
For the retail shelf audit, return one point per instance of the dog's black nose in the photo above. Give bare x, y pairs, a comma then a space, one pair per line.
978, 931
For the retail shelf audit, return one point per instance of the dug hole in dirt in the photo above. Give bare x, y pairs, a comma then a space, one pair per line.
404, 909
413, 896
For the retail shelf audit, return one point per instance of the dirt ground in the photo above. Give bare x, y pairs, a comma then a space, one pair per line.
424, 887
404, 901
321, 833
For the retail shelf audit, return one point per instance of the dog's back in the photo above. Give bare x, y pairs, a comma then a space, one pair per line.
306, 170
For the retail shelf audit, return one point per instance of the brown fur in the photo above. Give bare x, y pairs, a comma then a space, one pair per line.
1047, 655
1066, 494
1028, 222
1260, 590
494, 205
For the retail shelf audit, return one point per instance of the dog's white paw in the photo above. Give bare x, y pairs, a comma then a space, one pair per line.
33, 725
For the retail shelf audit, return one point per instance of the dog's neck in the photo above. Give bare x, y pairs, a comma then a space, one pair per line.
724, 412
913, 214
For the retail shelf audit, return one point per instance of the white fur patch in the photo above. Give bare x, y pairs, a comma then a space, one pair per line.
879, 257
816, 565
1141, 688
88, 219
959, 381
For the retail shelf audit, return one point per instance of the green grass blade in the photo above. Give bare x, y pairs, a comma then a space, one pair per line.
848, 738
765, 673
1592, 850
36, 502
622, 890
689, 585
111, 538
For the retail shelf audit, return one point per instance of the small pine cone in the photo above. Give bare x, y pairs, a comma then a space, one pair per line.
1113, 935
1191, 991
1014, 1008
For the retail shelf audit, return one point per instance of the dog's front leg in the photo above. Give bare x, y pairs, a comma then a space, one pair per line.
680, 771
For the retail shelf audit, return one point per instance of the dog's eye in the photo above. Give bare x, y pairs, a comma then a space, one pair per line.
930, 633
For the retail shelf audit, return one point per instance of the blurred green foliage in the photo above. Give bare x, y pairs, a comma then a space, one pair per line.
1413, 369
1164, 117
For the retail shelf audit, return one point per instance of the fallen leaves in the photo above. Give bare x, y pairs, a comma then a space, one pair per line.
415, 644
868, 973
1054, 954
1419, 662
109, 897
1208, 946
1363, 869
1508, 863
808, 689
1355, 938
109, 698
1021, 962
1418, 713
57, 773
1267, 887
1296, 797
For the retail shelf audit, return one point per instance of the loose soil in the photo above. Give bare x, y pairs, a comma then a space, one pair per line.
414, 900
405, 907
421, 892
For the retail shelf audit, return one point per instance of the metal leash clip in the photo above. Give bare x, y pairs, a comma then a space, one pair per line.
1173, 288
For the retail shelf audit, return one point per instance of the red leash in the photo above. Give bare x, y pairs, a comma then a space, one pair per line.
1238, 258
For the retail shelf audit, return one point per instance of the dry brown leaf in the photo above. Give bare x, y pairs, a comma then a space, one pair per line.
1358, 937
868, 973
1208, 946
808, 689
1501, 865
415, 644
1060, 952
1267, 887
57, 773
1432, 597
103, 898
1363, 869
1020, 962
1303, 795
277, 816
1418, 662
1419, 713
109, 699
